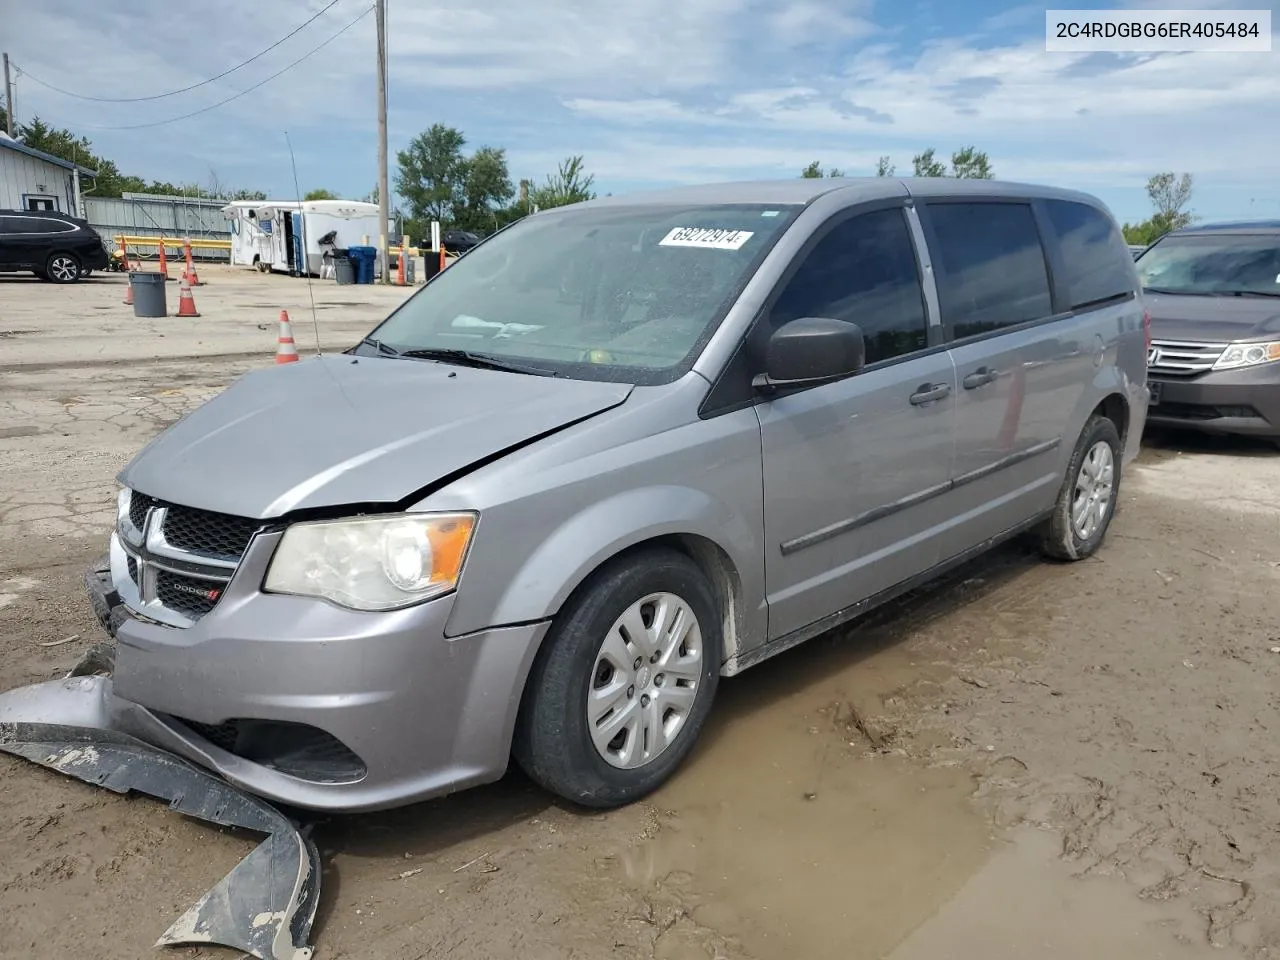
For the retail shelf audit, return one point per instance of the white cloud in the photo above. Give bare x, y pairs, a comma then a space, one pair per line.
807, 21
649, 90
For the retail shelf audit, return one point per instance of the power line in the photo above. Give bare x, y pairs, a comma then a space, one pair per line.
237, 96
173, 93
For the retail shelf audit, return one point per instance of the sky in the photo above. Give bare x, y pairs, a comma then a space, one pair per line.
652, 92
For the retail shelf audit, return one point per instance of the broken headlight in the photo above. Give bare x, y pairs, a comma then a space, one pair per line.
372, 563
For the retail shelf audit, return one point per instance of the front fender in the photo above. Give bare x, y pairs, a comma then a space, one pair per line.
582, 542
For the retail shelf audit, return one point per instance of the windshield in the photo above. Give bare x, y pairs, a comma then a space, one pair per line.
1211, 265
629, 294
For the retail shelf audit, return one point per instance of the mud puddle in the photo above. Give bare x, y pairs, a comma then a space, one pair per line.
794, 831
1025, 902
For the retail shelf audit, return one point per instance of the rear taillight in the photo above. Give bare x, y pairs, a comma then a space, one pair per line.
1146, 328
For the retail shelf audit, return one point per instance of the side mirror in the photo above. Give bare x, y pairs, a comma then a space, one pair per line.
811, 350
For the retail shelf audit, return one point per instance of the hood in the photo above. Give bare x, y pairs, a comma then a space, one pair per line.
339, 430
1184, 317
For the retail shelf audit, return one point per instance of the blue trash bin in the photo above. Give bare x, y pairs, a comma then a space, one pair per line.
366, 260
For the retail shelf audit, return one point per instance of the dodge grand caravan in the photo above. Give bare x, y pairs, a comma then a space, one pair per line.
618, 451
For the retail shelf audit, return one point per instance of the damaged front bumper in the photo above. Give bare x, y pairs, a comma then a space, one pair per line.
266, 905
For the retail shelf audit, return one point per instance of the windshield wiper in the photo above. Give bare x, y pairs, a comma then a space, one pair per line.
1246, 293
381, 347
466, 358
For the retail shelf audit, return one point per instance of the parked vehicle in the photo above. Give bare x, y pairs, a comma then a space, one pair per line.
54, 246
460, 241
620, 450
1214, 295
1136, 249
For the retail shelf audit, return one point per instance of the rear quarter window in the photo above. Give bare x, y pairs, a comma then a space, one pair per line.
1097, 261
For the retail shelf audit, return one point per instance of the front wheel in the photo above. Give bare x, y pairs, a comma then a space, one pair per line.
63, 268
624, 682
1087, 500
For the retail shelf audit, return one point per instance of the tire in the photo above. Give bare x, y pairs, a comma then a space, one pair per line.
554, 744
63, 268
1066, 535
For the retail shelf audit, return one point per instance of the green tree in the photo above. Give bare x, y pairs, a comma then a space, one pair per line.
320, 193
924, 165
432, 171
1170, 194
884, 167
485, 188
969, 163
569, 184
814, 171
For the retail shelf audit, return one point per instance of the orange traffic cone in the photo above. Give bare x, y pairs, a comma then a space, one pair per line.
128, 297
190, 272
287, 351
186, 302
164, 261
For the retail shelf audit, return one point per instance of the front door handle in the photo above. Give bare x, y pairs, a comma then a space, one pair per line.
980, 378
930, 393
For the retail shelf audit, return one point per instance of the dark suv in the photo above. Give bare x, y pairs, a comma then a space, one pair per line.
54, 246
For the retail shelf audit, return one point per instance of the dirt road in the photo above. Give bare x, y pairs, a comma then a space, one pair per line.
1029, 759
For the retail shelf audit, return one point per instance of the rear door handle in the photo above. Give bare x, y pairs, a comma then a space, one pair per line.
930, 393
980, 378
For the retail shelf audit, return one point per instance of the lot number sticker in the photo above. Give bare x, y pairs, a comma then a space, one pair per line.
709, 238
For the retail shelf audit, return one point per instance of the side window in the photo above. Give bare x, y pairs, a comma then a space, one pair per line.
863, 271
1097, 259
990, 266
43, 225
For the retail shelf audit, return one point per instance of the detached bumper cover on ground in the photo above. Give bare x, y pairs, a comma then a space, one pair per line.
266, 905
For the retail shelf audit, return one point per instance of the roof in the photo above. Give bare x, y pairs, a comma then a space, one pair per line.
338, 208
20, 147
804, 190
1231, 226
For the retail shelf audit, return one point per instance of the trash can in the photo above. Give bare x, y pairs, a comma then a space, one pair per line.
344, 270
430, 265
148, 294
365, 259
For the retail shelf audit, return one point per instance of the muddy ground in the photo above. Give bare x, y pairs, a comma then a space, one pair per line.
1028, 759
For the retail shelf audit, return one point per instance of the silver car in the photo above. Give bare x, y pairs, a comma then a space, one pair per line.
617, 452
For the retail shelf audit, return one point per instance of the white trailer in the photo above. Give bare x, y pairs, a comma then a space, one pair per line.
292, 237
251, 235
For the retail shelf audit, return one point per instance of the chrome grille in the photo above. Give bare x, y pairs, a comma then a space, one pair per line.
1182, 358
171, 563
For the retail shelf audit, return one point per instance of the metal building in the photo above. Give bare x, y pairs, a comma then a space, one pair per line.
33, 180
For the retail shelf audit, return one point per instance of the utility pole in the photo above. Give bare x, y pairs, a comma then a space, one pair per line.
8, 97
384, 200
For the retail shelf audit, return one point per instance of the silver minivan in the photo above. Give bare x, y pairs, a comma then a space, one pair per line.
616, 452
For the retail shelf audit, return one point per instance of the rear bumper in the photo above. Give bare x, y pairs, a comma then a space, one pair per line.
317, 707
1240, 402
94, 258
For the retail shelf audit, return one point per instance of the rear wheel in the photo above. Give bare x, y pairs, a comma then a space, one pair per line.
63, 268
1087, 500
624, 682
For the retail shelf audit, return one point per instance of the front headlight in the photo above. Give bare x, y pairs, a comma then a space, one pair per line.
1239, 355
372, 563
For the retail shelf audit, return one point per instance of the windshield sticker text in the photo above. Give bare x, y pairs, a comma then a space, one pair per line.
710, 238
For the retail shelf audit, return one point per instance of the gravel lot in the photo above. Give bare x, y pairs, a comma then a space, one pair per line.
1027, 759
